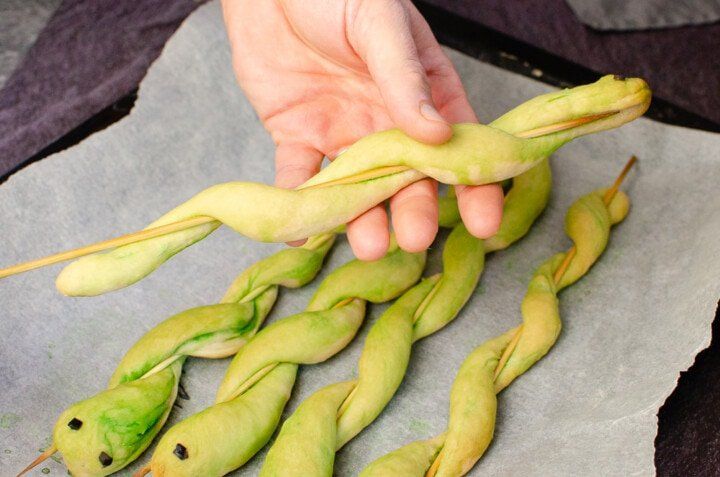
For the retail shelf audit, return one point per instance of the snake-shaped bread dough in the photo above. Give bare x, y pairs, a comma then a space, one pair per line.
337, 413
104, 433
367, 173
496, 363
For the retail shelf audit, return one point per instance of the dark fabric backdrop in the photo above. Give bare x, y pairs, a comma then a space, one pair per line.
90, 54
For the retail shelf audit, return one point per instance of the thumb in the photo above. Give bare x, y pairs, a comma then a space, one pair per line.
381, 34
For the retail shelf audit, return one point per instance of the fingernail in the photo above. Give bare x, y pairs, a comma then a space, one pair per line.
429, 112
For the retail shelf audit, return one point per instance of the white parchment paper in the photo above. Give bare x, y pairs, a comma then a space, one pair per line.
589, 408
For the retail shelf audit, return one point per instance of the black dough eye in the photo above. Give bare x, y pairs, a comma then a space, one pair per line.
105, 459
181, 451
75, 424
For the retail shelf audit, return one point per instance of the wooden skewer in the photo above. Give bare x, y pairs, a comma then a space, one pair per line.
559, 127
48, 452
105, 245
610, 193
607, 198
142, 472
508, 352
560, 271
432, 471
195, 221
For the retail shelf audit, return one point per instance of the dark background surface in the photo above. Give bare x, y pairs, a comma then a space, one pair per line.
90, 54
681, 64
95, 85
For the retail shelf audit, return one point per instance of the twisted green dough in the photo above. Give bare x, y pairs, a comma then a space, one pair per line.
260, 379
103, 434
370, 171
473, 400
337, 413
587, 223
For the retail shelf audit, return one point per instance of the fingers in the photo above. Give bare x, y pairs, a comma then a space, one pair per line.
415, 215
480, 208
368, 234
380, 32
445, 85
294, 164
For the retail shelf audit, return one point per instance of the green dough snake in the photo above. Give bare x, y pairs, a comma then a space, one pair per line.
496, 363
102, 434
532, 188
337, 413
370, 171
261, 377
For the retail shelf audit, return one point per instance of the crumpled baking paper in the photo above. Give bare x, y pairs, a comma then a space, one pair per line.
588, 408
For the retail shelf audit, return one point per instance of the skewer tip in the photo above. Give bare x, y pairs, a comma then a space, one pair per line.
42, 457
619, 180
607, 198
143, 471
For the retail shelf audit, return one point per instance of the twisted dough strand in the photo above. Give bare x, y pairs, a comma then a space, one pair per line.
337, 413
123, 420
261, 377
484, 373
370, 171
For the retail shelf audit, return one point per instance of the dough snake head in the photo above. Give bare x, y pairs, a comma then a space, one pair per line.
103, 434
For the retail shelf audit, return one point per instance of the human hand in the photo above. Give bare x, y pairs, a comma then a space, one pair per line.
323, 73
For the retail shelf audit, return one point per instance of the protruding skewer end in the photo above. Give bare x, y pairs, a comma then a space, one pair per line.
47, 453
143, 471
616, 185
607, 198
